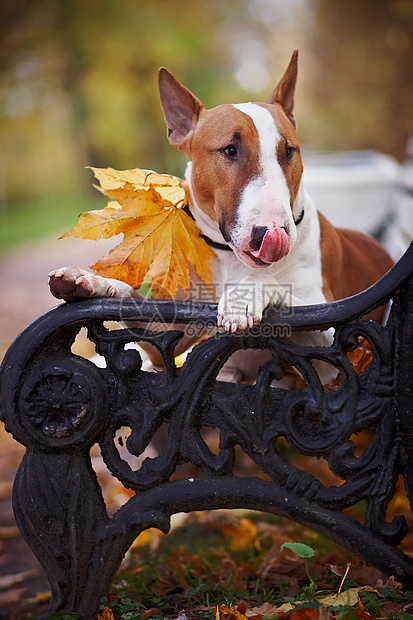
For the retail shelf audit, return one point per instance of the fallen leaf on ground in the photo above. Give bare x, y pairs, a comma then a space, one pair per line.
106, 614
43, 597
348, 597
391, 583
361, 356
149, 537
222, 612
10, 597
8, 581
242, 535
266, 609
10, 531
39, 599
148, 613
304, 613
159, 237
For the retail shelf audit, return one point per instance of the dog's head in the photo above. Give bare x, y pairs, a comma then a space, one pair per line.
246, 164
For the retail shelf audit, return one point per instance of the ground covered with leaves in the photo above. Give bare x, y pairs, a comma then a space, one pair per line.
235, 565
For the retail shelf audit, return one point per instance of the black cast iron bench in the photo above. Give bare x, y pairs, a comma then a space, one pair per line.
58, 405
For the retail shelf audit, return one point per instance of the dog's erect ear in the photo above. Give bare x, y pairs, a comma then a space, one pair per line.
283, 93
180, 108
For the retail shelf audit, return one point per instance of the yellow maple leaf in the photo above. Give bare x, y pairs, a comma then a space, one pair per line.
159, 237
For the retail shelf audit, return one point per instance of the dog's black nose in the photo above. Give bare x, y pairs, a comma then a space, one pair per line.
258, 233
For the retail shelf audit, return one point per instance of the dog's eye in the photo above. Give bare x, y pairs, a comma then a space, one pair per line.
288, 151
231, 150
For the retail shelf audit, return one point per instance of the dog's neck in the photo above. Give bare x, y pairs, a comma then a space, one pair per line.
210, 229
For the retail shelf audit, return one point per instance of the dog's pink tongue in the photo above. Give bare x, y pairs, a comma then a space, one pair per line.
275, 245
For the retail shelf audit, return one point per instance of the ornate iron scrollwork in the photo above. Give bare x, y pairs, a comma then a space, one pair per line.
58, 405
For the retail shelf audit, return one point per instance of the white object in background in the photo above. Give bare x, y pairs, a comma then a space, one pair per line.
361, 190
352, 189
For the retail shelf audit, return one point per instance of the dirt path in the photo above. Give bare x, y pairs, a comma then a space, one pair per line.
24, 296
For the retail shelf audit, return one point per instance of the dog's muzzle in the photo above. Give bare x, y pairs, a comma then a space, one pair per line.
267, 246
273, 243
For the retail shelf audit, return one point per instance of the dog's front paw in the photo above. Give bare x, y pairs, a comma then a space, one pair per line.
240, 308
71, 283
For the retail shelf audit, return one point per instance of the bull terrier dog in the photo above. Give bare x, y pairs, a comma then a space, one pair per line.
247, 197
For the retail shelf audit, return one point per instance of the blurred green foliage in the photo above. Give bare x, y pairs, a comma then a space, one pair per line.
39, 217
78, 81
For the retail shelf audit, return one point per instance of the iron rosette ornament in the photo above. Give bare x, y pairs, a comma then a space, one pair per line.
62, 403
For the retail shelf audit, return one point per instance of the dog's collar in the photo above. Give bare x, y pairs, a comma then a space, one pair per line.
208, 241
215, 244
224, 246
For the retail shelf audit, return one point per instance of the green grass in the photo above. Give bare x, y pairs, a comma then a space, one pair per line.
188, 570
32, 220
195, 567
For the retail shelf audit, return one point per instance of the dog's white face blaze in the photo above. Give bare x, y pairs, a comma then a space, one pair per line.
246, 165
266, 199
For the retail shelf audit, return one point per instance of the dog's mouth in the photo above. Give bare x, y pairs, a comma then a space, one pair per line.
249, 258
274, 246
